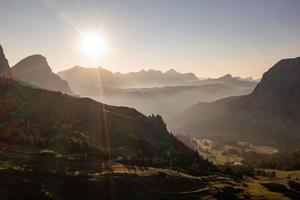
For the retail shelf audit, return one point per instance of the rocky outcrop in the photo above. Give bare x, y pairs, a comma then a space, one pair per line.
36, 71
4, 66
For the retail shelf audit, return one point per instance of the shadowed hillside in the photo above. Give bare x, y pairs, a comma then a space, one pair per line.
270, 114
39, 119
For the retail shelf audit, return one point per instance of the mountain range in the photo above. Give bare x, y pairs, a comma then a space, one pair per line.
184, 90
269, 115
91, 81
230, 80
134, 89
156, 78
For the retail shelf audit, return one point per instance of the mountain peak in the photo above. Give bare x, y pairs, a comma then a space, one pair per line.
281, 81
171, 71
270, 114
35, 62
35, 70
4, 66
154, 71
226, 77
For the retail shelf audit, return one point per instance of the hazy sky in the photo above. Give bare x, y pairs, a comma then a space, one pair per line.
207, 37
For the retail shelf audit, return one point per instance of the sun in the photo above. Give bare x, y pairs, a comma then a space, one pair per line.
93, 44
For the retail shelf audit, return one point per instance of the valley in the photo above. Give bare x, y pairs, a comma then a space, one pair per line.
229, 152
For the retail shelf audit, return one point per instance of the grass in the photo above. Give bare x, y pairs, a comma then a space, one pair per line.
285, 174
135, 182
257, 191
214, 150
222, 159
257, 148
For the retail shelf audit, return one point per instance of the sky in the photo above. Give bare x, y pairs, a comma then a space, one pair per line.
208, 37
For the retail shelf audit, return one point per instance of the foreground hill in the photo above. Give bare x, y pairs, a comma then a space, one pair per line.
88, 180
36, 71
35, 119
54, 146
270, 114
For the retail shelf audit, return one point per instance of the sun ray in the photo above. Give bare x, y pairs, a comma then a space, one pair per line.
93, 44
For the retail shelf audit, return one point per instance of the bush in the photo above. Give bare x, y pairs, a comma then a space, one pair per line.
275, 187
295, 185
237, 171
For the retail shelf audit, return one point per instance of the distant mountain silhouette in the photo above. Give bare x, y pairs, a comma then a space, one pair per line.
270, 114
251, 79
156, 78
229, 79
4, 66
36, 71
90, 81
135, 89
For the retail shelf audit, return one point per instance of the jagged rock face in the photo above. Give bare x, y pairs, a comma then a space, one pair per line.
280, 84
36, 71
4, 66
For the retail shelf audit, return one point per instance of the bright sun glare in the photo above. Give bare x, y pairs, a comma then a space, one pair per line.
93, 44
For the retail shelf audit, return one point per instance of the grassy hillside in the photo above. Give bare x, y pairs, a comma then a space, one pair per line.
46, 175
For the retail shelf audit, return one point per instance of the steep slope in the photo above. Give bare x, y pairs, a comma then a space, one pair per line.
270, 114
4, 66
36, 71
